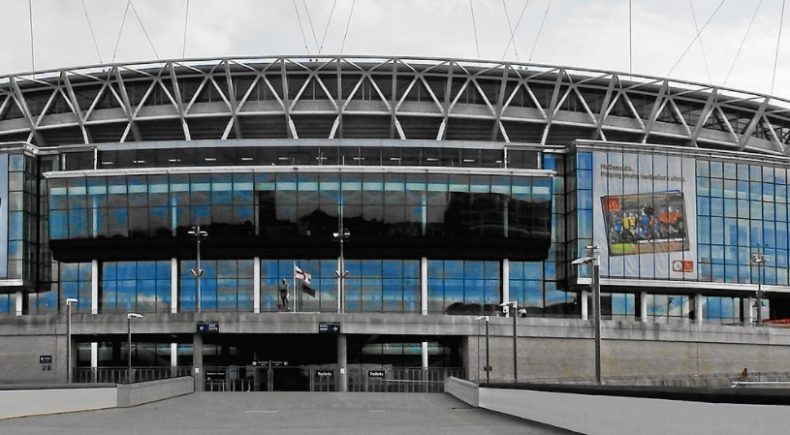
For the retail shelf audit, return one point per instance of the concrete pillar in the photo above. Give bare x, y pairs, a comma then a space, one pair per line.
748, 310
18, 300
173, 359
425, 354
94, 286
342, 364
643, 307
698, 308
585, 304
506, 281
256, 285
424, 285
173, 285
94, 360
197, 362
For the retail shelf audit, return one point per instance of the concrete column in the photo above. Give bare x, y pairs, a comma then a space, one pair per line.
94, 360
748, 310
173, 285
698, 308
173, 358
256, 285
94, 286
643, 307
425, 354
197, 362
342, 364
18, 299
424, 285
506, 281
585, 304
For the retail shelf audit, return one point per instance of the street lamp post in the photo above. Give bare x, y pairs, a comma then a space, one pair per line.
341, 271
514, 313
69, 302
197, 272
129, 317
595, 283
487, 368
759, 259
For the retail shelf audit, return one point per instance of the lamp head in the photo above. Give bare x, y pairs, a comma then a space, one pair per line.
134, 316
70, 301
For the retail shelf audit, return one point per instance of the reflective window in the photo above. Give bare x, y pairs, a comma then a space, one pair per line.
226, 285
135, 286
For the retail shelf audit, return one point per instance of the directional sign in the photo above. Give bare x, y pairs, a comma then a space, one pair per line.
208, 327
328, 328
324, 373
376, 373
45, 359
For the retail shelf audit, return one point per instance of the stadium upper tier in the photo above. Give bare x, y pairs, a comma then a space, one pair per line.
381, 98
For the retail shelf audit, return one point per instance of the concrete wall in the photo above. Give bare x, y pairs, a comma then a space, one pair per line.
464, 390
547, 348
600, 414
628, 349
27, 402
595, 414
145, 392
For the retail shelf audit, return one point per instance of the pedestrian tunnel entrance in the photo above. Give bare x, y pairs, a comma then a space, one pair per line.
308, 362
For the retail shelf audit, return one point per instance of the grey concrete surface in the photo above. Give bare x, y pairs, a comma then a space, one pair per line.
145, 392
285, 413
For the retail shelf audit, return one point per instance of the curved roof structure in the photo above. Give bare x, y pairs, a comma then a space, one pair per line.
382, 98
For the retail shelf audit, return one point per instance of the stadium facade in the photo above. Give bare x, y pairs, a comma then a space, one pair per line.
452, 186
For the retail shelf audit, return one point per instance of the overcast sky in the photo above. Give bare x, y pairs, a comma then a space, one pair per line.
580, 33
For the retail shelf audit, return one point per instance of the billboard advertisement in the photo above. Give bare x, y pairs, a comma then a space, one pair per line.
644, 215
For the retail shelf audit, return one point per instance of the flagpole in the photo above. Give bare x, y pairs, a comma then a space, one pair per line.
293, 284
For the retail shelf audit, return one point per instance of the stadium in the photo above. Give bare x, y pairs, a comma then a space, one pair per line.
359, 223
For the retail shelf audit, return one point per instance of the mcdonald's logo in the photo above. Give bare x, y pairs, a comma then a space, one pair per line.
611, 203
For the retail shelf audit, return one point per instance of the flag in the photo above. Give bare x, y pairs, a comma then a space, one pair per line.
304, 278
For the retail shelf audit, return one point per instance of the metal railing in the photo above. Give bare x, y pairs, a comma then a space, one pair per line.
320, 379
119, 375
401, 379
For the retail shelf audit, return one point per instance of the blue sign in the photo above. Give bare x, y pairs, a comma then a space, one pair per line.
45, 359
208, 327
328, 328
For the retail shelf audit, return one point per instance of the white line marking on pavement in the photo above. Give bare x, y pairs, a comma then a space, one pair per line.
261, 411
375, 410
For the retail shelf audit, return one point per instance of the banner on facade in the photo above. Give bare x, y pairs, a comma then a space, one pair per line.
644, 215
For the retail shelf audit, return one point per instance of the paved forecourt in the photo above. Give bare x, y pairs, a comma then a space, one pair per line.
285, 413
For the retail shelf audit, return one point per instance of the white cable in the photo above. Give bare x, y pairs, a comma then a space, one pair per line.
510, 26
348, 24
301, 28
630, 40
778, 42
310, 20
540, 30
704, 26
740, 47
118, 40
186, 22
326, 28
474, 28
145, 32
514, 30
701, 45
30, 18
90, 26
